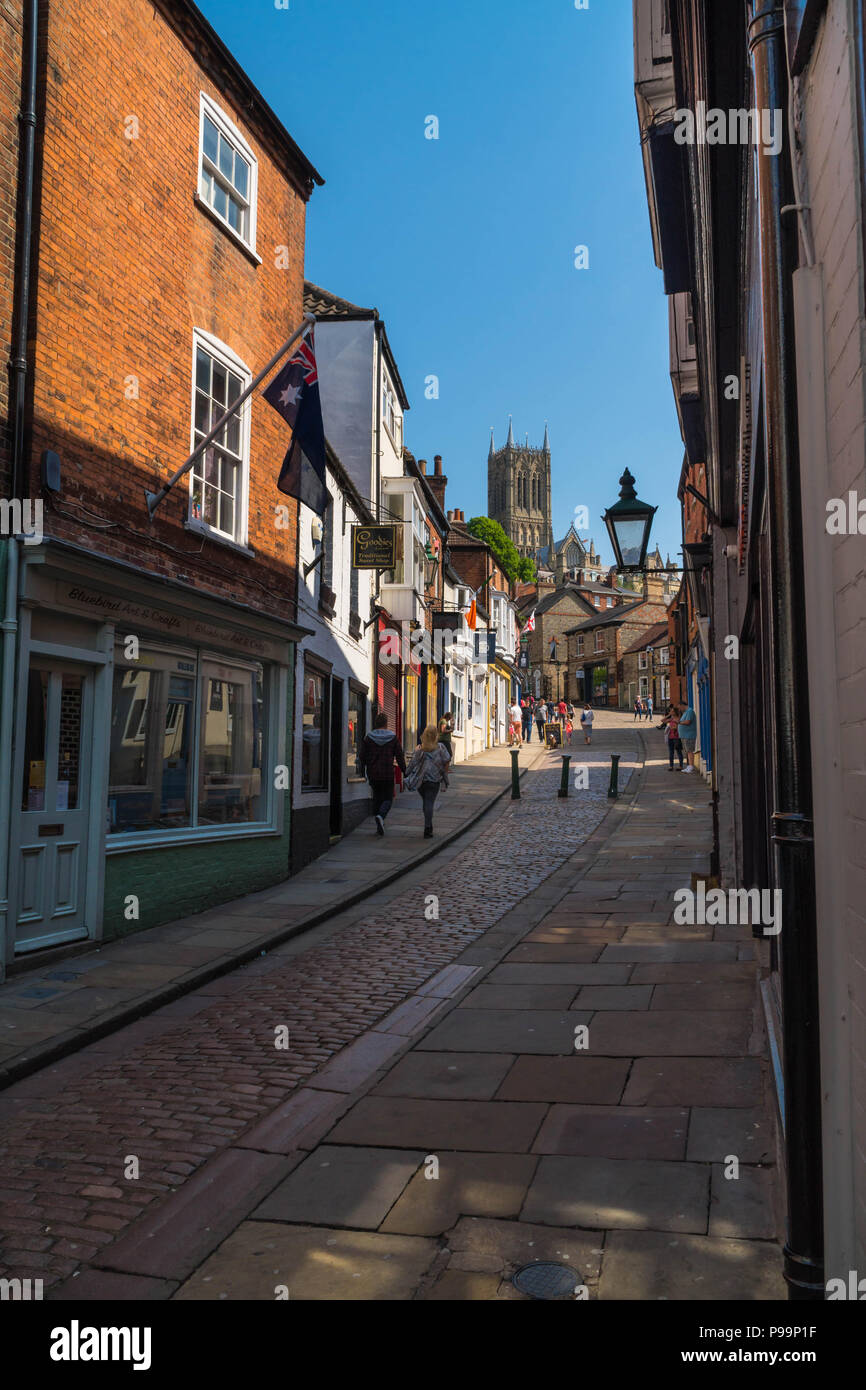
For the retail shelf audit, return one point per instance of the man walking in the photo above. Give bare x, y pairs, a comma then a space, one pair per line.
540, 719
526, 719
379, 752
649, 707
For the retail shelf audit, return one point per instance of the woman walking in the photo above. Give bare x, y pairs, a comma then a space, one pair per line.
586, 720
427, 772
446, 729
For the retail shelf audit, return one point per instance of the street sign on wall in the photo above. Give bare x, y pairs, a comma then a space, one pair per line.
374, 547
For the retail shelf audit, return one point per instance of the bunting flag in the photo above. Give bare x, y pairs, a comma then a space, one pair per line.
294, 393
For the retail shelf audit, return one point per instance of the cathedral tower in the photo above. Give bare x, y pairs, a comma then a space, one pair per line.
518, 492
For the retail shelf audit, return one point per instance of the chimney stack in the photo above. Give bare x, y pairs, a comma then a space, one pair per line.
437, 482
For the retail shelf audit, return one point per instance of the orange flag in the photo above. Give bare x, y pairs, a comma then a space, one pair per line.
472, 616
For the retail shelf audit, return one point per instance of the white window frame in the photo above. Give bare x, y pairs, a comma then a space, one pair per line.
391, 413
223, 354
599, 640
580, 643
230, 133
641, 661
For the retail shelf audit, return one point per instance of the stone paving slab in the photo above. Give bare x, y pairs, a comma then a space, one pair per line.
486, 1126
311, 1262
488, 1245
671, 1033
335, 1186
609, 1131
715, 952
736, 1081
513, 996
558, 972
505, 1030
746, 1133
717, 995
447, 1076
468, 1184
551, 953
743, 1206
577, 1079
648, 1265
616, 997
606, 1194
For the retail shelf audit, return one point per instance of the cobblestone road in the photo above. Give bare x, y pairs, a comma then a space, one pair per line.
173, 1096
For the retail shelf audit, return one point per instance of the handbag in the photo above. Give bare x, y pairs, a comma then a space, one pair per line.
412, 776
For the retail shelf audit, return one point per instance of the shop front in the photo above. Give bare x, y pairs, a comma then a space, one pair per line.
149, 778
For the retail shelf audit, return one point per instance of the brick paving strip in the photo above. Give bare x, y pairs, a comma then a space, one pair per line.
201, 1097
84, 994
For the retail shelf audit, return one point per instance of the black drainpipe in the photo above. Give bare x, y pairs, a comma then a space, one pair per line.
19, 363
792, 818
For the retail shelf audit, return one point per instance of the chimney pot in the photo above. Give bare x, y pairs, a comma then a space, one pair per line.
437, 465
422, 464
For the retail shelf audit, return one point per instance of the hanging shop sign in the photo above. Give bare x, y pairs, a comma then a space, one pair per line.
374, 547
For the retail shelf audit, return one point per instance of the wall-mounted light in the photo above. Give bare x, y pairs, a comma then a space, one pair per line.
317, 530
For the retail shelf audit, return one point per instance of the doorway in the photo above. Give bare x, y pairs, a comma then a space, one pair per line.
54, 806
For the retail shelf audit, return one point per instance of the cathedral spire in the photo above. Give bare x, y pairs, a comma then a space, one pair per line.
509, 443
546, 444
492, 450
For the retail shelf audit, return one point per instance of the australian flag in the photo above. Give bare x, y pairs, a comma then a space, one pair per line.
294, 392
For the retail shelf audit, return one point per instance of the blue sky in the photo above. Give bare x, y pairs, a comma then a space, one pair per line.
465, 244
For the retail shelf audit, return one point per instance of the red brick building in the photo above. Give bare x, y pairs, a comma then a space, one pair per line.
156, 656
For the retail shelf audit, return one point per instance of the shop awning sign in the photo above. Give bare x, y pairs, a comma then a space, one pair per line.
374, 547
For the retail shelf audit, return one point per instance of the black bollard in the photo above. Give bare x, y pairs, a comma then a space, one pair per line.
563, 786
515, 775
614, 775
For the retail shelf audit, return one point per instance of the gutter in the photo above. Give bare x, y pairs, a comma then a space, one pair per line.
791, 822
7, 715
24, 218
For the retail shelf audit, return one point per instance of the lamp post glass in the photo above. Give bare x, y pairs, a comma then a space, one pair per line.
628, 524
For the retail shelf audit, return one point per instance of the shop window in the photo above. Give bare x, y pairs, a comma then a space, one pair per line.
314, 734
164, 777
356, 729
230, 760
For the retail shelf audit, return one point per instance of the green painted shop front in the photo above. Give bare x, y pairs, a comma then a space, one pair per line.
151, 728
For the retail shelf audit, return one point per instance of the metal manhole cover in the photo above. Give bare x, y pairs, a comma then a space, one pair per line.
546, 1280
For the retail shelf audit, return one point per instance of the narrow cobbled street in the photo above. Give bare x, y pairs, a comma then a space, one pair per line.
437, 1118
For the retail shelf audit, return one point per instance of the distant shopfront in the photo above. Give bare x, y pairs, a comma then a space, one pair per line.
152, 723
593, 685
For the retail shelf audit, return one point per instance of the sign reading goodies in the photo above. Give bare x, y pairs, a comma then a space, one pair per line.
374, 547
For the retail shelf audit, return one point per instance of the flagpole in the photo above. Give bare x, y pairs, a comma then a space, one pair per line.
153, 499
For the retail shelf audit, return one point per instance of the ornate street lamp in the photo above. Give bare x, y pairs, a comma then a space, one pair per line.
628, 524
